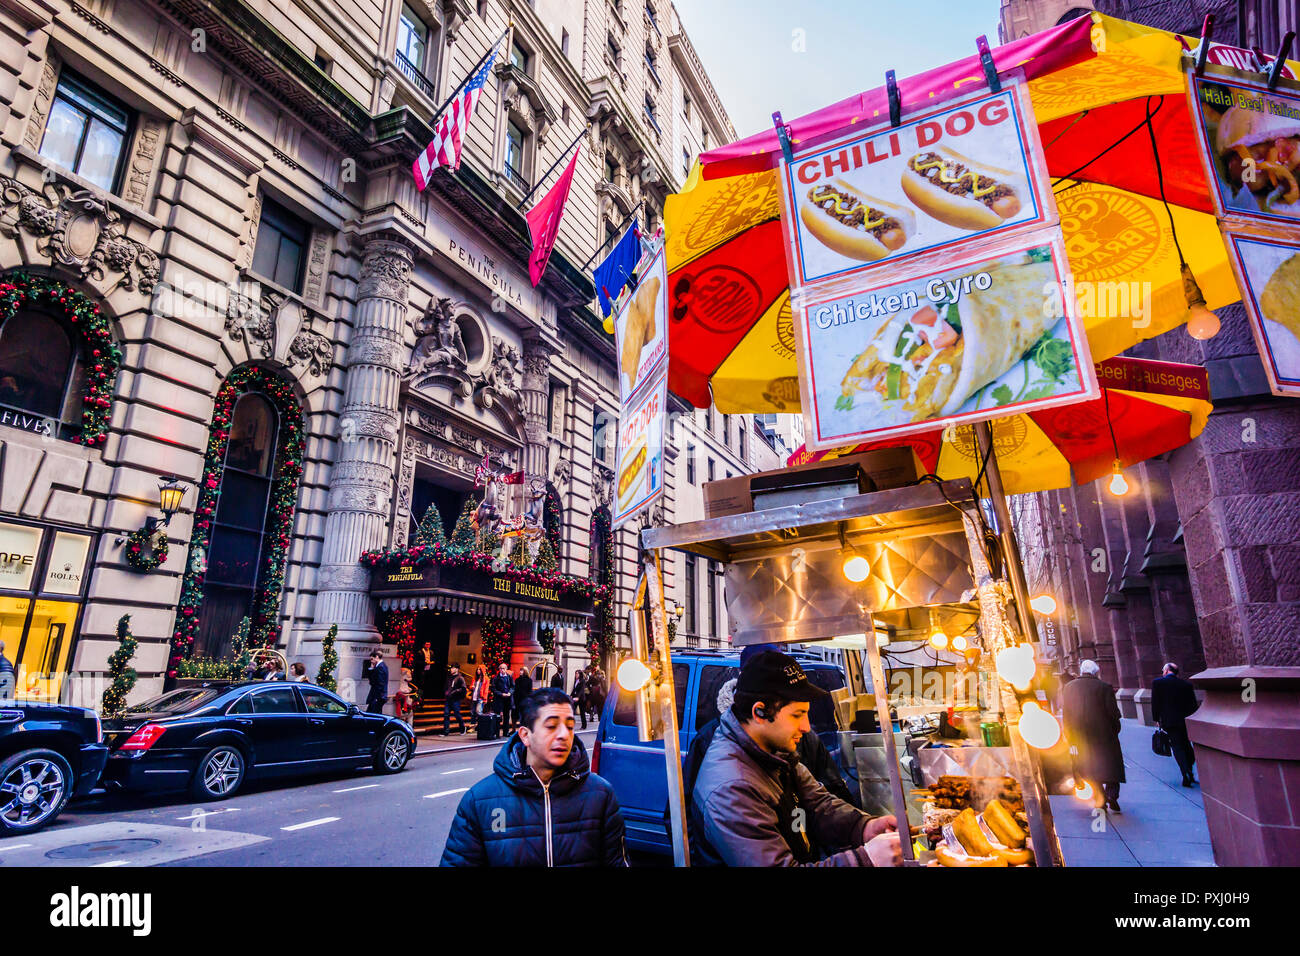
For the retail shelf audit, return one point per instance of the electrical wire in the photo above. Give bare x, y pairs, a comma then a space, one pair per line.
1160, 178
1105, 394
1150, 113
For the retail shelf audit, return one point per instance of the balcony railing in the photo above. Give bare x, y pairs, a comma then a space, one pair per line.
412, 73
516, 177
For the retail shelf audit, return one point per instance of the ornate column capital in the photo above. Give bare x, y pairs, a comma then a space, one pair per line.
386, 270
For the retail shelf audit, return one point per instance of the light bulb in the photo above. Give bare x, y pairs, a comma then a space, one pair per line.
939, 640
1044, 604
633, 675
1083, 790
959, 643
1038, 728
1202, 324
856, 568
1016, 665
609, 325
1118, 483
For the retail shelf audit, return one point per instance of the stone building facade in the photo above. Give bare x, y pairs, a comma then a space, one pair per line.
1197, 564
220, 196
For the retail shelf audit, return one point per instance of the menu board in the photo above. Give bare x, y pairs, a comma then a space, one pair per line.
1268, 274
952, 343
641, 328
639, 478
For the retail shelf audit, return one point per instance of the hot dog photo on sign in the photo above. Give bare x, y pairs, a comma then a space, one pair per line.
966, 169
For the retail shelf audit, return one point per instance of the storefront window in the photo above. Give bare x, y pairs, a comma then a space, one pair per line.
37, 630
40, 367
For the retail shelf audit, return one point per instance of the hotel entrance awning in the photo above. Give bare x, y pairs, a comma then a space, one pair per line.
479, 593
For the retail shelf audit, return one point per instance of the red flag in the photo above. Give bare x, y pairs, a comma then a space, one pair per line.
544, 221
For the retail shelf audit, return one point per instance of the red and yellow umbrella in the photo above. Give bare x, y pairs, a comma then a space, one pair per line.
1093, 82
1146, 409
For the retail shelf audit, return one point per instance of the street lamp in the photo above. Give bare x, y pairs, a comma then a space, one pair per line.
171, 492
1044, 604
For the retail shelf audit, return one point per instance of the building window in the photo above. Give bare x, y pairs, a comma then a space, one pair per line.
324, 62
710, 469
686, 161
281, 241
708, 419
86, 133
519, 57
686, 105
41, 371
726, 430
740, 437
515, 141
650, 112
690, 573
412, 38
652, 62
711, 595
615, 52
690, 463
600, 434
564, 41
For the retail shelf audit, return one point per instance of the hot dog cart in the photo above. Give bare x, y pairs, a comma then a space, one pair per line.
923, 549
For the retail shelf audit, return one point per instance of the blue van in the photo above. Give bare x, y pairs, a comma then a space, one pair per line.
636, 769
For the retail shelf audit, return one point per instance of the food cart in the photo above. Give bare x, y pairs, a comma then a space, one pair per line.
924, 546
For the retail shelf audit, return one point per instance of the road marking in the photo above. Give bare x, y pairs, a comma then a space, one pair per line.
362, 787
200, 814
109, 863
461, 770
310, 823
444, 793
16, 846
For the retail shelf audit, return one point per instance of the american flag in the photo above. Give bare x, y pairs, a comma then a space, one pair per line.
445, 148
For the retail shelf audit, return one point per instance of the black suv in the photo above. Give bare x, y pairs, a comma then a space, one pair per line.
48, 752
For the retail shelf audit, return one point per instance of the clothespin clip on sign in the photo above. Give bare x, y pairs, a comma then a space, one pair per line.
895, 101
1203, 51
1276, 72
986, 61
783, 135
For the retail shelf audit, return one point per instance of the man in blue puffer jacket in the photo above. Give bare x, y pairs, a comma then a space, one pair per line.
542, 805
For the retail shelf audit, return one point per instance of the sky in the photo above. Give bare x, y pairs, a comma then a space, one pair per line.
796, 57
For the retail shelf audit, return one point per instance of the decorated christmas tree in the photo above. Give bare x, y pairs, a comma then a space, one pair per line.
489, 542
462, 536
545, 560
498, 639
429, 531
519, 553
330, 660
241, 654
121, 673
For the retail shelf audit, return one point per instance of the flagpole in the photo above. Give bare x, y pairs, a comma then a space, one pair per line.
617, 232
563, 156
486, 53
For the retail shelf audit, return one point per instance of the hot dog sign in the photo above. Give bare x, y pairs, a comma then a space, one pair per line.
963, 170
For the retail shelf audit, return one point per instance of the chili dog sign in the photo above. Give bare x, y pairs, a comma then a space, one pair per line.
962, 171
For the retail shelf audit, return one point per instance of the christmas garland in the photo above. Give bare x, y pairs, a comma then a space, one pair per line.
448, 556
120, 672
398, 627
101, 356
279, 523
600, 629
553, 520
498, 640
140, 552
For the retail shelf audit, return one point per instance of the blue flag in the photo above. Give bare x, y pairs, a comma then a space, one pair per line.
612, 274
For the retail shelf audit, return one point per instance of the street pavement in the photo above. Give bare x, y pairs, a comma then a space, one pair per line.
1162, 823
352, 819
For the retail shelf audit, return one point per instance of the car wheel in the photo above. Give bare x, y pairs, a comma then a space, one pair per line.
34, 786
220, 773
393, 753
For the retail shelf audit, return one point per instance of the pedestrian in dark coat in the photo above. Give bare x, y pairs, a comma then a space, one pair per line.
1092, 724
523, 687
596, 690
542, 805
1173, 700
454, 693
579, 695
376, 672
503, 689
557, 680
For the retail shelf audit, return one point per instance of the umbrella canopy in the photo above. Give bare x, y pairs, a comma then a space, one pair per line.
1161, 406
1095, 83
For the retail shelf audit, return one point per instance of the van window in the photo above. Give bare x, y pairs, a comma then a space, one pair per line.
712, 677
822, 713
625, 708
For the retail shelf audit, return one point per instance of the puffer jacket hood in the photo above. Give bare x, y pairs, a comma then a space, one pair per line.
511, 766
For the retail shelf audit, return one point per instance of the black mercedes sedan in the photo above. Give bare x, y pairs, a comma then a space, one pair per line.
210, 739
48, 753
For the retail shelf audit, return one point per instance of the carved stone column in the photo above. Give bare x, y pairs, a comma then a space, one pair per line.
535, 391
361, 483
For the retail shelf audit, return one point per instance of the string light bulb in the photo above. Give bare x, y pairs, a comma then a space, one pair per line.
856, 568
1037, 727
939, 640
1016, 665
1202, 323
1118, 483
959, 643
1044, 604
1083, 790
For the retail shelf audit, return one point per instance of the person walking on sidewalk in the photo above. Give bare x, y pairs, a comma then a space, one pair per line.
541, 805
452, 696
1091, 718
480, 693
1173, 700
503, 688
375, 671
579, 695
596, 690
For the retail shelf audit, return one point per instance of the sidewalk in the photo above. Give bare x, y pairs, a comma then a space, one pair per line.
426, 744
1162, 823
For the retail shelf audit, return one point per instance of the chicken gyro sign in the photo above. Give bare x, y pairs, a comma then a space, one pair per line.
929, 281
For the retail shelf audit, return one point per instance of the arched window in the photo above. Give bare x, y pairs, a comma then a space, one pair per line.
244, 517
41, 372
